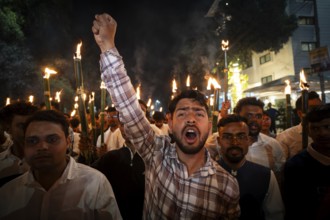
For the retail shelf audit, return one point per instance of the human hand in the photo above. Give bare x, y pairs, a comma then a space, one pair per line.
100, 151
104, 30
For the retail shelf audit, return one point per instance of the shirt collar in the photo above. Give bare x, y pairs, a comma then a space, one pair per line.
318, 156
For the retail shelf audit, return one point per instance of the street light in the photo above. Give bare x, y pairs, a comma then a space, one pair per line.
225, 48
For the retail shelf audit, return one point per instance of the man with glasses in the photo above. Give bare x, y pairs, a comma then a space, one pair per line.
260, 197
263, 150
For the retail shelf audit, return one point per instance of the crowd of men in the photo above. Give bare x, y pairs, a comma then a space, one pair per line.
166, 166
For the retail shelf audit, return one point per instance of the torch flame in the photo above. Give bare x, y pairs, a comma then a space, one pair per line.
57, 96
138, 92
188, 81
174, 87
91, 97
73, 113
76, 99
303, 83
8, 101
78, 55
288, 87
31, 98
103, 85
211, 101
212, 82
149, 102
48, 72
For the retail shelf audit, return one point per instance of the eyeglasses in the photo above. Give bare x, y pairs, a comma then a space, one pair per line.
112, 116
231, 137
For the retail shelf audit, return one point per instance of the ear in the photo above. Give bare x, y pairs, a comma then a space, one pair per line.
299, 113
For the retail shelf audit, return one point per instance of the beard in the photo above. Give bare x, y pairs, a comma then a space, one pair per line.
254, 132
187, 149
236, 158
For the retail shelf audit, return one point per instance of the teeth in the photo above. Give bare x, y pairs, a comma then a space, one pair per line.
191, 131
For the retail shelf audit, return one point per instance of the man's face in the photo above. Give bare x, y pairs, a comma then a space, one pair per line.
159, 123
312, 103
189, 125
113, 119
233, 139
45, 145
16, 129
253, 114
320, 133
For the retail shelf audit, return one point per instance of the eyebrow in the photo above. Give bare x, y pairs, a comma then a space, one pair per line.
193, 108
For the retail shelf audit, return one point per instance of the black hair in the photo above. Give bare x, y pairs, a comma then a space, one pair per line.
230, 119
157, 116
74, 122
54, 116
311, 95
190, 94
248, 101
141, 102
319, 113
22, 108
111, 109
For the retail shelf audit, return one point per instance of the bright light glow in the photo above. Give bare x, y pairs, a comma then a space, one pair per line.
73, 113
8, 101
48, 72
103, 85
138, 92
58, 96
188, 81
303, 83
149, 102
288, 87
225, 45
31, 98
174, 86
78, 55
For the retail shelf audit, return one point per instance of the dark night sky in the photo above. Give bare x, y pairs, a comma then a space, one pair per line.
150, 36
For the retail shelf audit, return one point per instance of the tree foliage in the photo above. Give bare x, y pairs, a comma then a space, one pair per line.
254, 25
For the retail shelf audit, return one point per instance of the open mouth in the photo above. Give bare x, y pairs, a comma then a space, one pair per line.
190, 135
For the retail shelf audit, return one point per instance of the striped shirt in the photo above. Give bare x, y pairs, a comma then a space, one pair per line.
170, 193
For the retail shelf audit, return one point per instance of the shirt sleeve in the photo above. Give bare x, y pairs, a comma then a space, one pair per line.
122, 93
273, 204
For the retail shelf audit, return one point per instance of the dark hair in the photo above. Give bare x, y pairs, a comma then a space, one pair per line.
248, 101
319, 113
54, 116
141, 102
157, 116
111, 109
266, 113
311, 95
22, 108
74, 122
230, 119
189, 94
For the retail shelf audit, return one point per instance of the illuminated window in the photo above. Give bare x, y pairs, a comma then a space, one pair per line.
308, 46
265, 58
304, 20
266, 79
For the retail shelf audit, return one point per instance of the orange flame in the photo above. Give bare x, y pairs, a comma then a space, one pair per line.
188, 81
224, 45
174, 87
78, 55
288, 87
48, 72
303, 83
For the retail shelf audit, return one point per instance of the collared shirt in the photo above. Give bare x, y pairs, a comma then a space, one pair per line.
267, 151
318, 156
209, 193
108, 139
291, 141
11, 165
80, 193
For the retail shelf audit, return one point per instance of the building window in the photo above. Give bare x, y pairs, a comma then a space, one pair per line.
308, 46
266, 79
305, 20
265, 58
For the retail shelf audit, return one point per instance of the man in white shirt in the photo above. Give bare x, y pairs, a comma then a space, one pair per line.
12, 118
56, 187
263, 149
291, 138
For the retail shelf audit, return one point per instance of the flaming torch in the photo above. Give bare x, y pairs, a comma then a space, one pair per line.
304, 97
188, 82
31, 99
288, 104
80, 91
8, 101
138, 92
92, 114
174, 88
103, 97
47, 74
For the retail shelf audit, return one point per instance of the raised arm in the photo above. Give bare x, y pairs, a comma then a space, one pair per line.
113, 73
